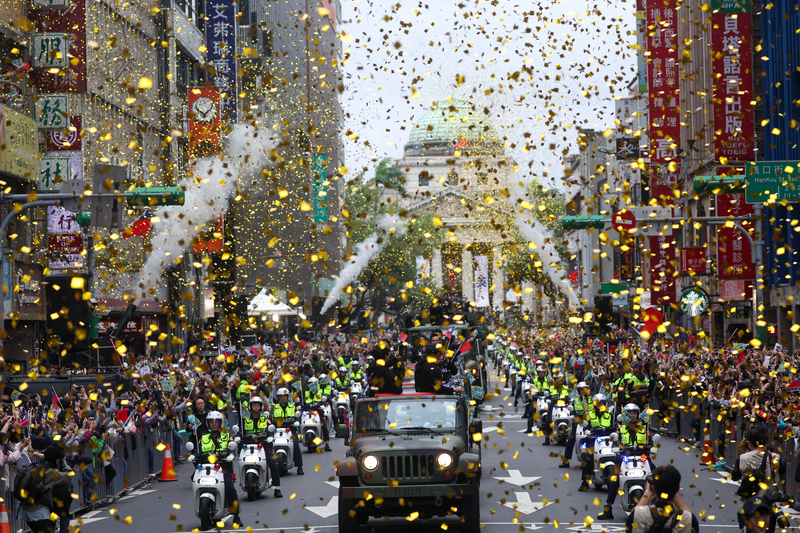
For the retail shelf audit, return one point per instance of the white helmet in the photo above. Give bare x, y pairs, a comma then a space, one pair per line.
214, 415
582, 385
312, 380
540, 368
370, 359
283, 391
342, 370
600, 397
632, 407
256, 399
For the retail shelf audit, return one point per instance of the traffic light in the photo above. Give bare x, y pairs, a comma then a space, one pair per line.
83, 218
149, 196
584, 222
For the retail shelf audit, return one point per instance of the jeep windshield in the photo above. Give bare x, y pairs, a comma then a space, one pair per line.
408, 415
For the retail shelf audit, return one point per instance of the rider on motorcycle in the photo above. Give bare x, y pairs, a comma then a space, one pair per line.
556, 389
539, 381
342, 381
284, 414
311, 399
522, 371
633, 434
600, 422
581, 407
215, 442
254, 431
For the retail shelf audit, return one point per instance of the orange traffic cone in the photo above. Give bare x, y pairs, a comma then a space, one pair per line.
5, 527
167, 470
708, 451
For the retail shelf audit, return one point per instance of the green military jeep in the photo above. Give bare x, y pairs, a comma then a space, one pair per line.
411, 455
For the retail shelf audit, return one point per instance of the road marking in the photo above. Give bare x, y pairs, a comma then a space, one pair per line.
605, 526
524, 504
515, 477
325, 511
490, 429
90, 517
725, 480
334, 484
134, 494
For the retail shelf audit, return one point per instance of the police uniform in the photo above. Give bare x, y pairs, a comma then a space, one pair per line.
218, 446
310, 399
631, 435
286, 416
255, 431
580, 407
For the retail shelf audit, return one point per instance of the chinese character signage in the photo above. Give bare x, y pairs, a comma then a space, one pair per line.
66, 139
734, 255
732, 68
52, 111
662, 270
733, 205
320, 170
65, 240
204, 122
481, 281
52, 171
221, 53
71, 23
213, 240
19, 146
663, 88
49, 50
776, 180
693, 261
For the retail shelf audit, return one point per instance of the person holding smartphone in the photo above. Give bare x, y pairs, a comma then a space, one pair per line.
661, 508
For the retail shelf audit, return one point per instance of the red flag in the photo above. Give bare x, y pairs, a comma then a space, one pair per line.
403, 337
465, 347
741, 357
140, 228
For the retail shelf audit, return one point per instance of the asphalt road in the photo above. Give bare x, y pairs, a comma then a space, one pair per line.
522, 489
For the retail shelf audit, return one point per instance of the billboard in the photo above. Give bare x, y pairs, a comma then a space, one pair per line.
662, 270
221, 53
205, 122
70, 21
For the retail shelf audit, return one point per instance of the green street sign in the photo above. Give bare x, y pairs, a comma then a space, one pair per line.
694, 302
772, 180
149, 196
50, 50
320, 170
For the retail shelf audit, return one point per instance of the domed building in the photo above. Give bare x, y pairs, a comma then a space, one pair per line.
456, 167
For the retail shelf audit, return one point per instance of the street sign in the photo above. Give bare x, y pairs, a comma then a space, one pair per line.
694, 302
767, 178
693, 261
52, 111
50, 50
52, 171
81, 202
623, 221
58, 4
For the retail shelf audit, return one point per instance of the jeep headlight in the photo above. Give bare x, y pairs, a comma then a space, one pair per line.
370, 462
444, 460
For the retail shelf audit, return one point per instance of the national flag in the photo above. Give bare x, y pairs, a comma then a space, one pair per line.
461, 142
448, 333
25, 422
56, 401
140, 228
403, 337
465, 347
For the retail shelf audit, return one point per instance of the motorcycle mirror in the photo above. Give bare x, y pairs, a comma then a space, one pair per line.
324, 399
271, 428
619, 419
656, 438
232, 445
614, 437
189, 447
270, 440
297, 424
297, 400
234, 429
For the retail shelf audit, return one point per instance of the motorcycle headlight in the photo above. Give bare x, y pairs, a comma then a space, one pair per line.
251, 459
207, 481
370, 462
444, 460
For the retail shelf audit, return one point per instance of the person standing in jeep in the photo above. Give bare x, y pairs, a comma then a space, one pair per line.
428, 375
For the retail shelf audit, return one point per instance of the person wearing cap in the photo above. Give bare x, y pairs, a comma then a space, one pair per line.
56, 472
633, 434
215, 443
581, 407
661, 508
759, 516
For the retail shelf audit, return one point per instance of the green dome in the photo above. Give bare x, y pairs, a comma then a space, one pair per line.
448, 123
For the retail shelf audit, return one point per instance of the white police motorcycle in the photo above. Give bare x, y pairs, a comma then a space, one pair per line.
311, 422
208, 484
283, 448
634, 470
252, 470
341, 403
561, 420
605, 455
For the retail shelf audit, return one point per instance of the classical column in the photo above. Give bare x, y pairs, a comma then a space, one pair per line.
498, 278
436, 267
467, 276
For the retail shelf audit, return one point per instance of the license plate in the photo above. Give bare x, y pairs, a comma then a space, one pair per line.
408, 492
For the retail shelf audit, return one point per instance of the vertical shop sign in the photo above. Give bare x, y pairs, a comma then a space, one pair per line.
71, 22
204, 122
320, 170
662, 270
221, 53
732, 68
662, 91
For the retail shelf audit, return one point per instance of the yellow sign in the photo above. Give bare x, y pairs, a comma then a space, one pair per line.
19, 148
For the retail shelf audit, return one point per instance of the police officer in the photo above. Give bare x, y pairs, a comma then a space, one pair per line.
556, 389
355, 372
284, 414
600, 422
342, 381
310, 399
522, 371
632, 434
216, 442
581, 407
254, 431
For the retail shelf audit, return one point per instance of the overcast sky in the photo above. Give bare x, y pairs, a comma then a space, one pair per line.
405, 55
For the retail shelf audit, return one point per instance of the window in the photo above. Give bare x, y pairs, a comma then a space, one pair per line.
482, 178
452, 178
424, 178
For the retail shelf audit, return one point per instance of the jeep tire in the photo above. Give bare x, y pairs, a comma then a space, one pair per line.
347, 523
470, 513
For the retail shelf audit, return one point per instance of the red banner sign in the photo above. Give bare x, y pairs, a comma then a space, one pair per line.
662, 270
72, 21
204, 122
65, 243
733, 205
734, 255
66, 140
732, 68
693, 261
734, 290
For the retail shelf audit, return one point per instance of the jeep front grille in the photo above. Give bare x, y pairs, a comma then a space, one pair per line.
409, 467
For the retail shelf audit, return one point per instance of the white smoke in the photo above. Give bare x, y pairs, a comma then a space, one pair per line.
208, 190
535, 232
365, 251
